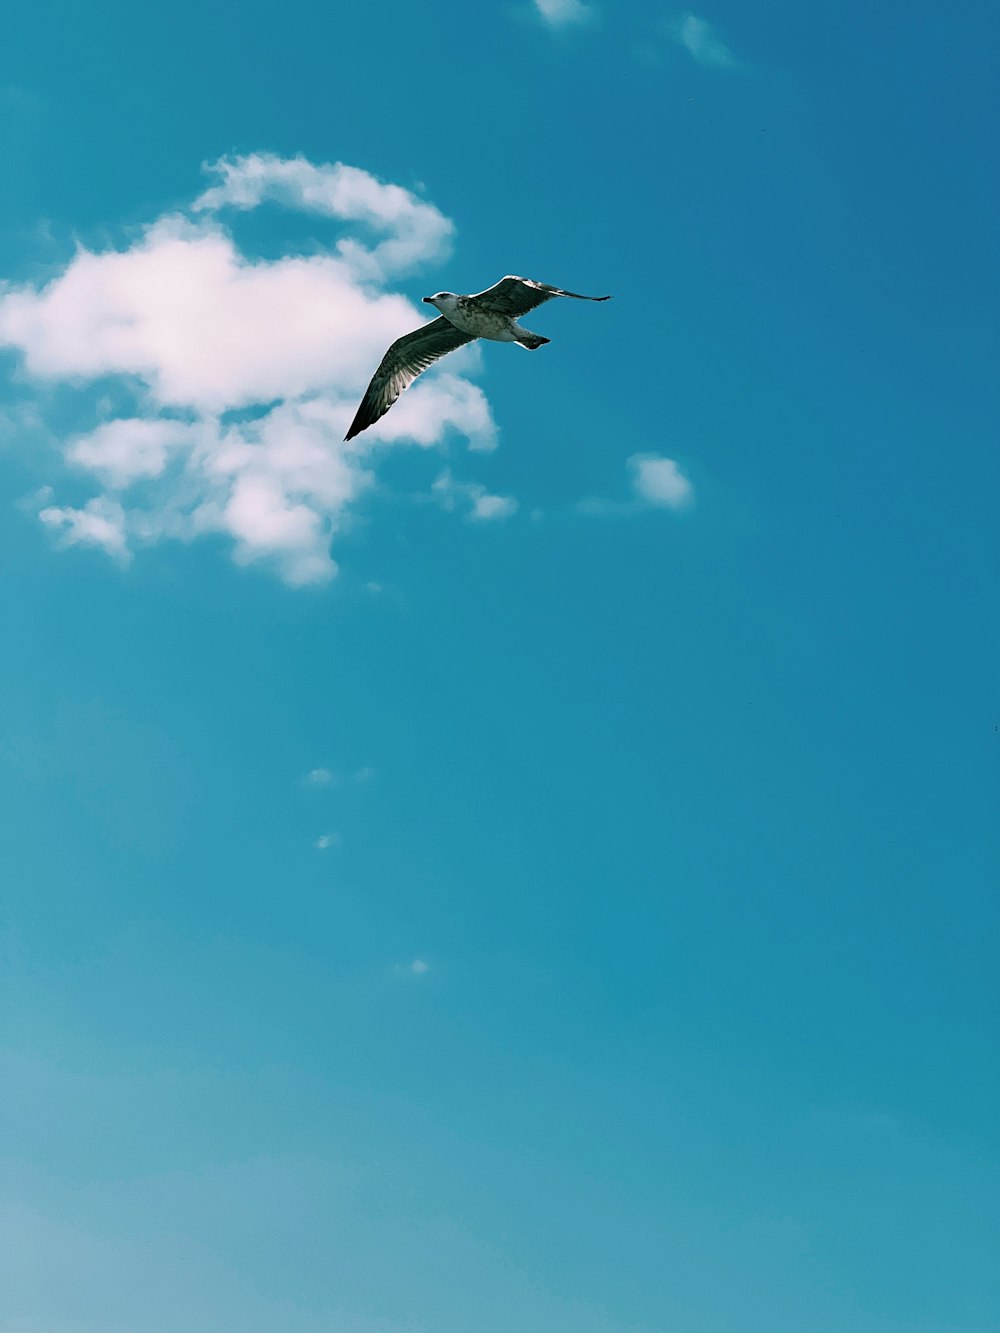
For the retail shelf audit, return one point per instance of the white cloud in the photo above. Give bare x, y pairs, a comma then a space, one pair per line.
487, 507
122, 451
192, 330
417, 968
698, 38
472, 496
562, 13
418, 232
327, 840
202, 327
326, 777
101, 522
659, 481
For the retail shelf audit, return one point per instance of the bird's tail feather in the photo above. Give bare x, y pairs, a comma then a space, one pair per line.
532, 341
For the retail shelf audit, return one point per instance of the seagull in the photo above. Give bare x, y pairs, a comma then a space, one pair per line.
490, 314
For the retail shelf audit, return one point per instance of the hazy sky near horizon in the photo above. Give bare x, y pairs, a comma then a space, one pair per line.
532, 867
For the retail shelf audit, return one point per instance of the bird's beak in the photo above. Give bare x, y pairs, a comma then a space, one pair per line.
428, 300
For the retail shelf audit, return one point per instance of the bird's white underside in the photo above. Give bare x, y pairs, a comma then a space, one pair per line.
479, 323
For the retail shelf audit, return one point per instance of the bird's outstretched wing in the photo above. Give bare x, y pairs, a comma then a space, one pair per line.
516, 296
401, 365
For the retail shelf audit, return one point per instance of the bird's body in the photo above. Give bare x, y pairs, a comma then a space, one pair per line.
491, 314
476, 320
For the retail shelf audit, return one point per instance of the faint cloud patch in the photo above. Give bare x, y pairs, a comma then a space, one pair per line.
328, 777
565, 13
22, 426
418, 967
488, 507
327, 840
657, 483
698, 38
101, 522
473, 497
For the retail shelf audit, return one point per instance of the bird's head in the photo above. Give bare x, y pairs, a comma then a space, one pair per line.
438, 297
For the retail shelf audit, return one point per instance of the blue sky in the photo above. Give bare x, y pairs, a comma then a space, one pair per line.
530, 869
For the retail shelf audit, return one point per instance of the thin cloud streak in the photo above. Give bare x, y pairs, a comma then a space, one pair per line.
473, 497
565, 13
699, 39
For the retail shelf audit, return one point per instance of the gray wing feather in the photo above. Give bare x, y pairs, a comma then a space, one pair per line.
408, 357
516, 296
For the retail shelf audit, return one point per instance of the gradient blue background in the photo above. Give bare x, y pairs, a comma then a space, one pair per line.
691, 816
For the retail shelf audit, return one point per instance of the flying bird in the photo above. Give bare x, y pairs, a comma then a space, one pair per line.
490, 314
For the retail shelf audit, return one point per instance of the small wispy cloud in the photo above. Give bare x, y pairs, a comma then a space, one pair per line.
657, 483
479, 504
488, 507
418, 967
417, 230
564, 13
327, 840
699, 39
329, 777
100, 523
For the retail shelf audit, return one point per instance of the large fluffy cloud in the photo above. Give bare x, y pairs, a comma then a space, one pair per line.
243, 373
